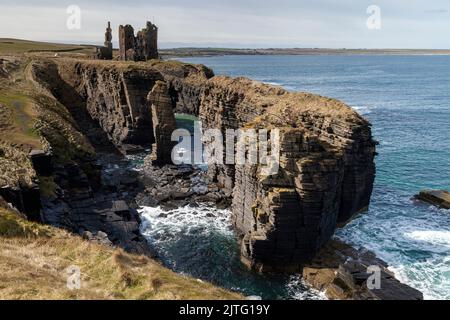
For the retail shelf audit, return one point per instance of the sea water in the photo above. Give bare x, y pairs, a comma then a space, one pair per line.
407, 99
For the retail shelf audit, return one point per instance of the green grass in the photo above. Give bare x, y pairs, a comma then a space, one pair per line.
14, 46
19, 119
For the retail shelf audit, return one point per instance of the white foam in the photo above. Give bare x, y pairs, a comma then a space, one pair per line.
440, 238
431, 277
363, 110
159, 226
173, 233
299, 290
273, 83
414, 242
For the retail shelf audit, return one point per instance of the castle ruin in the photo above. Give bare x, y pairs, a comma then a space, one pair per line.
106, 52
142, 47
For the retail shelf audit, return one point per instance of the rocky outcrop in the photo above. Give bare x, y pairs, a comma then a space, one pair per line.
98, 210
284, 220
3, 72
344, 273
91, 193
8, 66
114, 96
326, 159
164, 123
18, 182
438, 198
186, 84
326, 167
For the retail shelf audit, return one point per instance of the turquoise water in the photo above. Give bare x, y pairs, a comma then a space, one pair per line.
407, 99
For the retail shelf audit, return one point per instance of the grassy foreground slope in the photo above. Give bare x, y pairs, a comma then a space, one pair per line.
34, 262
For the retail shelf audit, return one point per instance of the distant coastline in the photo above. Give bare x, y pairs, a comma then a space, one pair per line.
210, 52
14, 46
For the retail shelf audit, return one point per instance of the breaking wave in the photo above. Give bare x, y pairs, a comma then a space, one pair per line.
413, 238
199, 241
362, 110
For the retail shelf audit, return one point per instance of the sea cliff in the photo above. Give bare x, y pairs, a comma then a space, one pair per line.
87, 113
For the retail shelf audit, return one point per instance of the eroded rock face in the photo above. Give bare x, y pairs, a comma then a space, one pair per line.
326, 173
115, 97
18, 181
163, 123
326, 168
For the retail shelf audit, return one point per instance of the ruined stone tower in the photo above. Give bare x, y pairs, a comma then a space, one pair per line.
108, 39
126, 42
106, 52
142, 47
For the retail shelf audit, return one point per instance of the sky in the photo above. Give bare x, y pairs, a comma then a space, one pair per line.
421, 24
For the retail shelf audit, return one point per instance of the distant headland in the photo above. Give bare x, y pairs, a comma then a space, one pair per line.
10, 46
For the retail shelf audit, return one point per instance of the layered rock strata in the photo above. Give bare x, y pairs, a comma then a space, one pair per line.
114, 97
326, 159
164, 123
326, 167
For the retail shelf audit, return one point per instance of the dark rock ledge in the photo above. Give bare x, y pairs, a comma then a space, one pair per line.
438, 198
341, 272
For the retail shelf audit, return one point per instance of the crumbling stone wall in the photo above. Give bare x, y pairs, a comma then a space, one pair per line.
142, 47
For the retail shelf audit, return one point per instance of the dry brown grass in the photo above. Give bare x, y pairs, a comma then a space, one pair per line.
277, 100
34, 260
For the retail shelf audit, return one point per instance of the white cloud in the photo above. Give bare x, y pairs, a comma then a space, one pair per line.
247, 23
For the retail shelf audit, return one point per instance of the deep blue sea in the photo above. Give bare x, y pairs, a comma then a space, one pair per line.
407, 99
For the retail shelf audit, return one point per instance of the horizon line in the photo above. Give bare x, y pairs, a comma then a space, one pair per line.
182, 45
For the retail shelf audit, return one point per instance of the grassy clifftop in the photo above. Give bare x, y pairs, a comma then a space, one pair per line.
14, 46
34, 260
